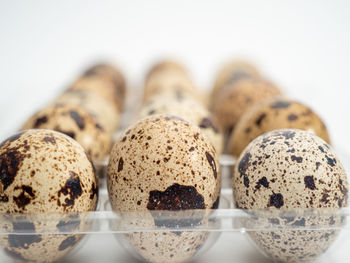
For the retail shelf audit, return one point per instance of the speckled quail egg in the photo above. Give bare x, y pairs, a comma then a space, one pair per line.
176, 94
76, 123
277, 113
232, 72
166, 65
163, 163
44, 172
97, 106
235, 99
188, 109
169, 78
288, 170
165, 246
105, 81
109, 72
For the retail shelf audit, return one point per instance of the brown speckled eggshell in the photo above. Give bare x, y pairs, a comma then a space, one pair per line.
232, 72
166, 65
112, 74
277, 113
170, 79
155, 154
109, 89
172, 247
163, 163
43, 172
235, 99
188, 109
77, 123
285, 170
100, 108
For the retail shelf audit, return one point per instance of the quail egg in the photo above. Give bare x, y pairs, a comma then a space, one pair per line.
290, 170
166, 65
109, 72
169, 77
44, 172
101, 109
232, 72
188, 109
105, 82
166, 246
275, 114
235, 99
76, 123
163, 163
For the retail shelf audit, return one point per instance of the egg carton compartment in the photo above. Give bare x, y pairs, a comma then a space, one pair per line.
132, 235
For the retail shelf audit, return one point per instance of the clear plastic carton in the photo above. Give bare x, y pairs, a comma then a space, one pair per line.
222, 235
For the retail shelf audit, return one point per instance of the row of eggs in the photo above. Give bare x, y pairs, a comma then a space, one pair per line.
163, 162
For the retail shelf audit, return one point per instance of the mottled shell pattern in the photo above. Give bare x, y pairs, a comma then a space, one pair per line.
164, 163
163, 157
231, 72
105, 81
188, 109
291, 170
288, 169
169, 77
44, 172
77, 123
277, 113
236, 98
97, 106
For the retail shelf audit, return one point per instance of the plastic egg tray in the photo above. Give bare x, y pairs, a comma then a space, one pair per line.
226, 228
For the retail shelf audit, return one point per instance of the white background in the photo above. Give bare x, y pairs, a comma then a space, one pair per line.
303, 46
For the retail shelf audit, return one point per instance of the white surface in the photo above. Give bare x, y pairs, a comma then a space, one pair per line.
301, 45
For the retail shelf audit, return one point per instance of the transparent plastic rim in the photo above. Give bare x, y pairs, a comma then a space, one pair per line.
224, 219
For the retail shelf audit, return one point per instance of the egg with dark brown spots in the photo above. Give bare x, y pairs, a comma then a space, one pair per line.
237, 98
112, 74
291, 170
271, 115
188, 109
170, 78
104, 81
102, 110
159, 247
232, 72
163, 163
77, 123
42, 173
